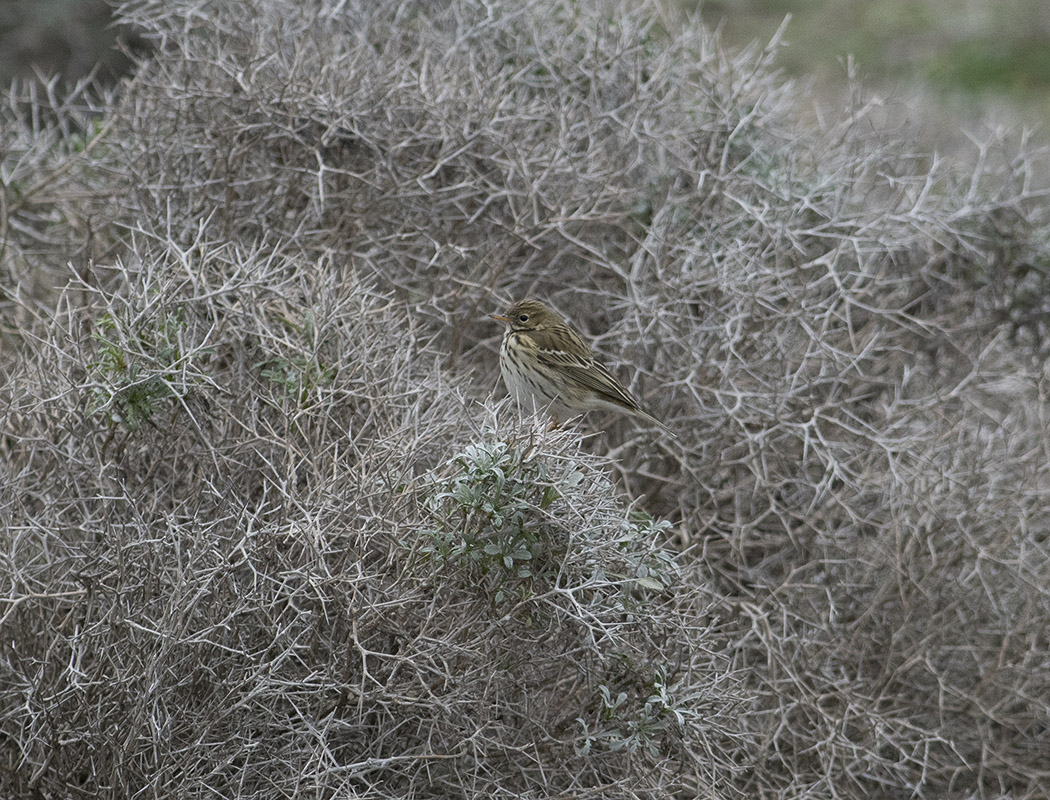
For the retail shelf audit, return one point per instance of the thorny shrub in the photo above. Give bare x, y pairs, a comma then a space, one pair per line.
265, 535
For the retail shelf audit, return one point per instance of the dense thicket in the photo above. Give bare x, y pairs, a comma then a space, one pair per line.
266, 532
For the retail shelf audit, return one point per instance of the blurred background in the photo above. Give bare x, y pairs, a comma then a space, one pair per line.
947, 63
71, 37
968, 62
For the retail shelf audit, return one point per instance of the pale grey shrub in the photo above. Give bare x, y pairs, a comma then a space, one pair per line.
220, 539
848, 337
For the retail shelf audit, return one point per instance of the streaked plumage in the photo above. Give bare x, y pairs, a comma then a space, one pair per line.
546, 365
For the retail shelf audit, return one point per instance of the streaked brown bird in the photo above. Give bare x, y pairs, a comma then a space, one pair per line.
546, 364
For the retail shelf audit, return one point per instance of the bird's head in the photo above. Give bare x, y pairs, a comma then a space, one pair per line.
529, 315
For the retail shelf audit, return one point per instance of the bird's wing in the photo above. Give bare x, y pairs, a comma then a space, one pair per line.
591, 373
581, 365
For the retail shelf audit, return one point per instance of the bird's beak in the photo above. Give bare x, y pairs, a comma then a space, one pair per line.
499, 318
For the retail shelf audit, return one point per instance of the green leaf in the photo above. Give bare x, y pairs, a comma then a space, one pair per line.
650, 583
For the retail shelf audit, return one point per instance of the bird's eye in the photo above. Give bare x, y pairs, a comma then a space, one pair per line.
523, 318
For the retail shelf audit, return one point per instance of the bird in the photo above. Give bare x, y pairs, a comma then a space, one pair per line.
547, 364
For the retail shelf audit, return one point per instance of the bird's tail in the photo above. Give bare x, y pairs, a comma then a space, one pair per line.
647, 416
